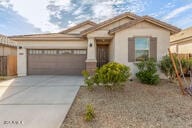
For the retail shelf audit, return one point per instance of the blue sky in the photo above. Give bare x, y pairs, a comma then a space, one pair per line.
41, 16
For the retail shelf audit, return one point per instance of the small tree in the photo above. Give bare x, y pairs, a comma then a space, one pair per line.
147, 72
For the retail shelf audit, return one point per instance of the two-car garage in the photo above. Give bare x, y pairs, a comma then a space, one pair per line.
56, 61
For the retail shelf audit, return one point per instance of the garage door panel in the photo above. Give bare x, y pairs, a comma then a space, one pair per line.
65, 64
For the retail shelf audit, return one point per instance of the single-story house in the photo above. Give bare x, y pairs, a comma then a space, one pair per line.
8, 56
126, 39
182, 42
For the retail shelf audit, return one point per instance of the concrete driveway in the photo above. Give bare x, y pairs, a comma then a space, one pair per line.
37, 101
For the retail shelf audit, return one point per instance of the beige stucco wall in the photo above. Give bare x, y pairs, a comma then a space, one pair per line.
91, 51
103, 32
116, 24
54, 44
22, 53
173, 48
185, 47
111, 50
99, 34
141, 29
5, 51
21, 62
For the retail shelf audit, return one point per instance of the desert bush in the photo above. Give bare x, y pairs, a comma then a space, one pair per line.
110, 75
113, 74
89, 113
147, 72
88, 80
167, 68
190, 64
185, 65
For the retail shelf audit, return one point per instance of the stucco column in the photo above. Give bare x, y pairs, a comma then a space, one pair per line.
21, 61
91, 62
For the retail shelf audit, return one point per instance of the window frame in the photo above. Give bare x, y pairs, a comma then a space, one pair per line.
142, 49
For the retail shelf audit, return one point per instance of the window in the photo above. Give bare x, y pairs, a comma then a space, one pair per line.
141, 48
35, 52
65, 51
57, 52
80, 52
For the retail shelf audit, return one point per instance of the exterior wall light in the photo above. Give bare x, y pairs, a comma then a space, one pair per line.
90, 45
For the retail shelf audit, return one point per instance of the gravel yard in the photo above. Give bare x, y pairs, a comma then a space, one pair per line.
137, 106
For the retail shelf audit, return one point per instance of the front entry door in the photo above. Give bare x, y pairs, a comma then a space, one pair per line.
102, 55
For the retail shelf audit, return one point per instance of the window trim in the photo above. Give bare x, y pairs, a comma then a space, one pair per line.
142, 49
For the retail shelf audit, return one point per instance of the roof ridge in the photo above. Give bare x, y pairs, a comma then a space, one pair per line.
126, 25
148, 18
134, 16
77, 26
32, 34
184, 34
167, 24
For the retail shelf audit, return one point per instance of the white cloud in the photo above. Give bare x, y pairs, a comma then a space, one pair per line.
70, 24
170, 5
177, 11
5, 3
78, 11
102, 10
36, 13
39, 12
184, 22
63, 4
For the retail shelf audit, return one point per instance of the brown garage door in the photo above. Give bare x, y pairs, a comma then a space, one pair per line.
56, 62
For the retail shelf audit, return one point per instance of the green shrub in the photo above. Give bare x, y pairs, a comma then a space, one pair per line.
185, 64
96, 77
147, 72
89, 80
89, 113
167, 68
190, 63
112, 74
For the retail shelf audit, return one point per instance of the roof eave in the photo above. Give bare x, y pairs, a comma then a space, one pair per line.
78, 26
47, 39
8, 45
107, 22
178, 41
171, 28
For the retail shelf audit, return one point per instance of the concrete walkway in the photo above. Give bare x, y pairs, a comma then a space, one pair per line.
37, 101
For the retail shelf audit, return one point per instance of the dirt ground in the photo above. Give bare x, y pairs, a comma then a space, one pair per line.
3, 78
137, 106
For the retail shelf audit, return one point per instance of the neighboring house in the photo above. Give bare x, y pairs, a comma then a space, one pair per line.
8, 56
182, 42
126, 39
